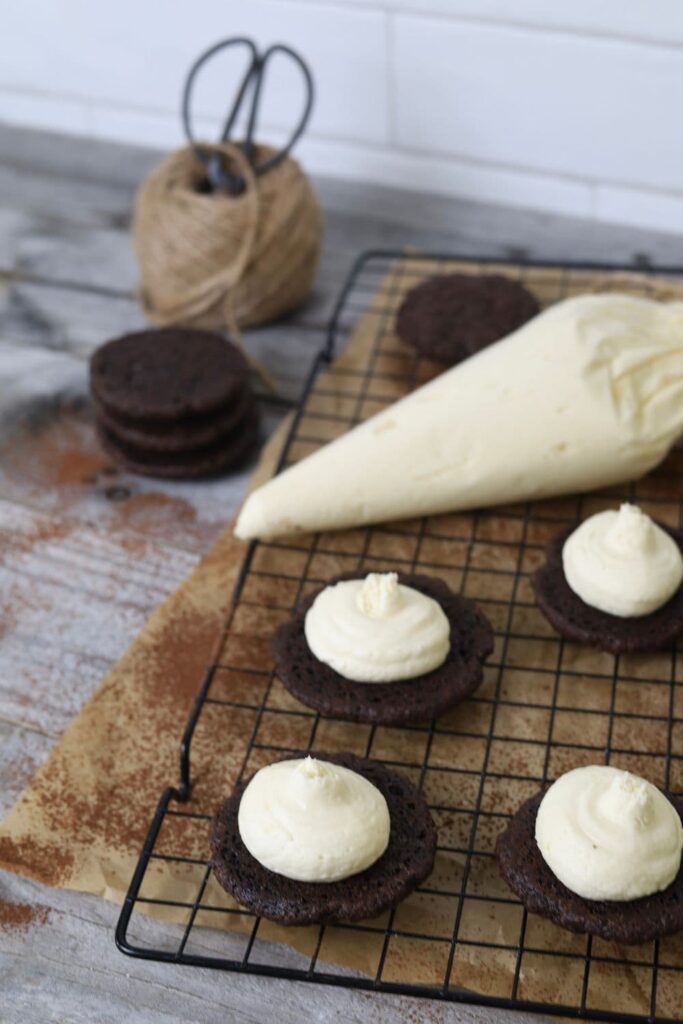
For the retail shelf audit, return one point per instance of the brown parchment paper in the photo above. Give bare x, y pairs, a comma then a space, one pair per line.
82, 821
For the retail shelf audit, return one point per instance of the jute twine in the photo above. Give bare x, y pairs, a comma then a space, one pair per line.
216, 260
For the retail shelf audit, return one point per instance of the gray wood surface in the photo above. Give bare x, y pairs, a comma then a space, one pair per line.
78, 579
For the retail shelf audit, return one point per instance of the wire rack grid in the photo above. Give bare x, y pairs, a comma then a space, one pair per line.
545, 706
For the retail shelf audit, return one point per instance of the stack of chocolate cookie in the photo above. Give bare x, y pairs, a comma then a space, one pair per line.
174, 402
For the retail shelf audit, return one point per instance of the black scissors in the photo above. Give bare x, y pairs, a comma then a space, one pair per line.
218, 176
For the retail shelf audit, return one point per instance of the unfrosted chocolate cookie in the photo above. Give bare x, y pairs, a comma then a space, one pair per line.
167, 374
174, 403
424, 697
525, 871
405, 863
578, 621
210, 460
185, 434
452, 316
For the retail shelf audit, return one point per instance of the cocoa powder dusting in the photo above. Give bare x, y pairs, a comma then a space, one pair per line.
41, 531
19, 916
169, 674
95, 792
89, 804
48, 863
55, 451
165, 517
61, 450
15, 598
144, 510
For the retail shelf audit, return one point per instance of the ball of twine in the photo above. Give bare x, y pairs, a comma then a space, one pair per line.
217, 260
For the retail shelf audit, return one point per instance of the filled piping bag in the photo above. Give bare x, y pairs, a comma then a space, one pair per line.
586, 395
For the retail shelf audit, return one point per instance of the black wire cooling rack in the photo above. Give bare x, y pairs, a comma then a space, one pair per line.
546, 705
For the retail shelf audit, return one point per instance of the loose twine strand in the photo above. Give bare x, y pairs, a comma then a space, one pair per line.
216, 260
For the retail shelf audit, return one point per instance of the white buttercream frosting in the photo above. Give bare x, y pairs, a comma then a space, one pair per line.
313, 821
376, 630
608, 834
585, 395
622, 563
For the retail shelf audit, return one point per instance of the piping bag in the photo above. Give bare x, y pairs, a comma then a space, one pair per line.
586, 395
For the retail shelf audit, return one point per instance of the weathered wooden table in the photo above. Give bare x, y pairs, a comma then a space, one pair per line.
79, 575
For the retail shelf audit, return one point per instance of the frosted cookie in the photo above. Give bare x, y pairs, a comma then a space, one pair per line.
614, 582
335, 838
452, 316
384, 648
598, 852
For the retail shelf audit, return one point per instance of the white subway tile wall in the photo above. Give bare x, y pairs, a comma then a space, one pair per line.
565, 106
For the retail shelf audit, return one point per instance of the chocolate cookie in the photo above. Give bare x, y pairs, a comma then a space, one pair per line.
530, 878
424, 697
576, 620
405, 863
167, 374
186, 434
452, 316
210, 460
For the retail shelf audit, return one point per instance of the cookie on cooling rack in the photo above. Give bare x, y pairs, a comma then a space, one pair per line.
174, 402
334, 838
614, 582
452, 316
599, 852
383, 648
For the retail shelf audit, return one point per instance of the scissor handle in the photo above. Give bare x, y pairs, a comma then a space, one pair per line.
217, 174
278, 157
